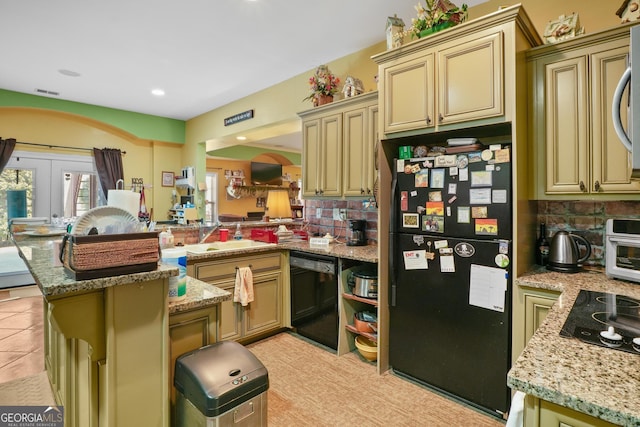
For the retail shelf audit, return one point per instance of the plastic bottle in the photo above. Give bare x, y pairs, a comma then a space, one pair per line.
166, 238
238, 234
176, 257
542, 246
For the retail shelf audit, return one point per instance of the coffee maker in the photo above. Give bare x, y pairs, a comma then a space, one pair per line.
356, 235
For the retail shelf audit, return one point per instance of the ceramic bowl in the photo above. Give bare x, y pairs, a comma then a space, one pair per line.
367, 348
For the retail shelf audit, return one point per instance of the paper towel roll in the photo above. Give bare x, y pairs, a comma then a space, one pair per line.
124, 199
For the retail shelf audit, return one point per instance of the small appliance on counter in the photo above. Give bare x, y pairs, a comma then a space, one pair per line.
564, 253
356, 232
622, 246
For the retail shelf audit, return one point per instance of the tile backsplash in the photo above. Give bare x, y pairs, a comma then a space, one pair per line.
586, 218
324, 223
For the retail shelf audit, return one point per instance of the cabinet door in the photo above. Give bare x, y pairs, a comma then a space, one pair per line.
556, 415
230, 319
611, 162
265, 312
370, 151
470, 80
310, 162
566, 116
189, 331
330, 156
355, 150
536, 308
409, 95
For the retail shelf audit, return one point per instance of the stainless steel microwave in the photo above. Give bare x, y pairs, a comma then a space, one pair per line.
622, 249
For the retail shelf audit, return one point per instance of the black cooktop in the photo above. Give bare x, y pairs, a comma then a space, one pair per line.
593, 312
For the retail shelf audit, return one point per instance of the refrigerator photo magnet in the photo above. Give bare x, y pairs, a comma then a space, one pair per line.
486, 226
433, 223
410, 220
422, 178
435, 208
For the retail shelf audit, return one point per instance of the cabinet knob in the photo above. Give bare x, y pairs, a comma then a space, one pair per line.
317, 192
582, 187
428, 120
440, 118
362, 191
597, 185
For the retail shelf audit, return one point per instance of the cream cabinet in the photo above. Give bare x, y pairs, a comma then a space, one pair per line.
436, 82
190, 330
530, 308
540, 413
338, 145
577, 149
266, 314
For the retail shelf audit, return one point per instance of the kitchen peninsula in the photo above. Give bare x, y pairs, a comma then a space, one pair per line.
567, 380
107, 340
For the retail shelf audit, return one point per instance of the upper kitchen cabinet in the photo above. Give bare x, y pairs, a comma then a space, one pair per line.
576, 148
338, 145
464, 76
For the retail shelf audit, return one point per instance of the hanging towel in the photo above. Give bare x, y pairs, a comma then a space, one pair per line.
243, 292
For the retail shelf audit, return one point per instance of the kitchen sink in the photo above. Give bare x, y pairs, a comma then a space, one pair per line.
230, 245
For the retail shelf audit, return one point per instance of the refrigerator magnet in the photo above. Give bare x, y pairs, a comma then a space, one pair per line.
452, 199
433, 223
499, 196
486, 226
464, 249
435, 196
437, 178
435, 208
404, 200
447, 264
481, 178
441, 244
453, 187
502, 260
502, 156
446, 160
415, 260
486, 155
479, 212
464, 215
453, 171
462, 161
463, 174
475, 157
410, 220
422, 178
418, 239
480, 196
495, 147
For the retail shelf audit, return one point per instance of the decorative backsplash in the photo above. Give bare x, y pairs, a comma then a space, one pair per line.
356, 209
586, 218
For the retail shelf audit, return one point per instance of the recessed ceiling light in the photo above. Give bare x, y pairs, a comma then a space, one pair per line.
241, 138
157, 92
69, 73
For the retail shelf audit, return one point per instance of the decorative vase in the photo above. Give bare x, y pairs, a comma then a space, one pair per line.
436, 28
322, 99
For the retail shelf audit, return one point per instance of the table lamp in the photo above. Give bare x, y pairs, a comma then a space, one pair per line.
278, 205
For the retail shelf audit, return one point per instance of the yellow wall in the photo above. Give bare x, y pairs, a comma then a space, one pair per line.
245, 204
144, 159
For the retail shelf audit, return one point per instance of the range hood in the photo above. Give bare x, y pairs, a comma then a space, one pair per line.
188, 178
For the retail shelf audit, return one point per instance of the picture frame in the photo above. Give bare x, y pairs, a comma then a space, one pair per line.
167, 179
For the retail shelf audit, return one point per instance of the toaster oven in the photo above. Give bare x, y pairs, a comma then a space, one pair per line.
622, 249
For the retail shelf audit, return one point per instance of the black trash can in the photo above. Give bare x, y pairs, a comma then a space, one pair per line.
222, 384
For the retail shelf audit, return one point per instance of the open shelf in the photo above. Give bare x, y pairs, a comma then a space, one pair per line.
371, 336
373, 302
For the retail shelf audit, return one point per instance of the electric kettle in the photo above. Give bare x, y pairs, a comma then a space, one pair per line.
564, 254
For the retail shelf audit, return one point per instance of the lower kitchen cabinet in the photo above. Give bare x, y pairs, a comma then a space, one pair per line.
530, 308
189, 331
266, 314
540, 413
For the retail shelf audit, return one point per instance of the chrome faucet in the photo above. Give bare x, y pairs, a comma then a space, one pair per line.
215, 226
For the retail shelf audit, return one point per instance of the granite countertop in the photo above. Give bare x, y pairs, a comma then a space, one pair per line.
199, 295
368, 253
41, 254
598, 381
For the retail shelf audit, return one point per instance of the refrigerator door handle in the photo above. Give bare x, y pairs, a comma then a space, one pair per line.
392, 238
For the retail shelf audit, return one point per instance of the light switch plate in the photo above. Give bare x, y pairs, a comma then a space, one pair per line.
318, 212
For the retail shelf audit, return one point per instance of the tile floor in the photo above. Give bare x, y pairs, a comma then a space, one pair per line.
21, 329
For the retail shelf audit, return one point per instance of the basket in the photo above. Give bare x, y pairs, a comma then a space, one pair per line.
95, 256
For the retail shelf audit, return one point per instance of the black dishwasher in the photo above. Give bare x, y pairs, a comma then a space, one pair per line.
314, 297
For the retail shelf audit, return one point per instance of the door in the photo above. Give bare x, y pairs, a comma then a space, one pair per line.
443, 331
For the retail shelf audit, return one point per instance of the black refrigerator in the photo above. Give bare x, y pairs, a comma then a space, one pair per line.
450, 273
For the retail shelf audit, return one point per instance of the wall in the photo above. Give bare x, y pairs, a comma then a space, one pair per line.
586, 218
324, 224
245, 204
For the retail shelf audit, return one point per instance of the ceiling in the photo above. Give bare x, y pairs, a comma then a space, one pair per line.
202, 53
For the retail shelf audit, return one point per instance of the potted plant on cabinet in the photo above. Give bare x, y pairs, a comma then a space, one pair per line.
323, 86
436, 15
